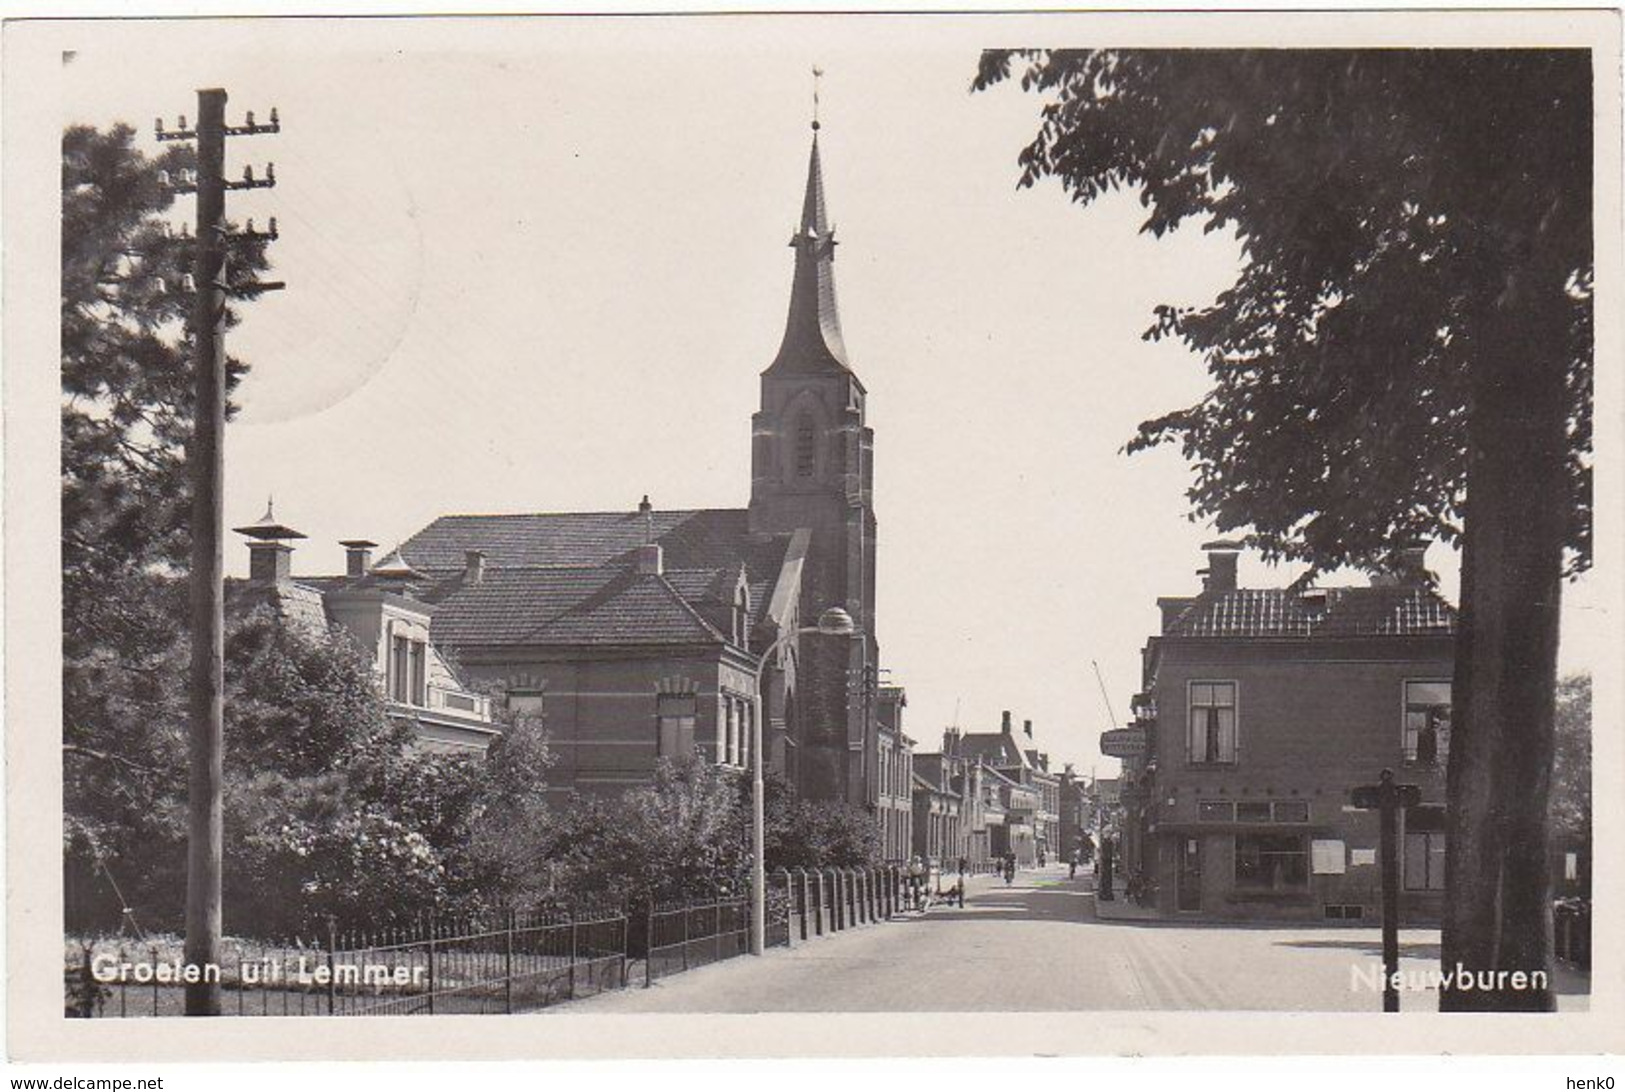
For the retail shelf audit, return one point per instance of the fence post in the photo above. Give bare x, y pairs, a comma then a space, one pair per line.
332, 979
649, 944
572, 953
507, 966
687, 909
431, 962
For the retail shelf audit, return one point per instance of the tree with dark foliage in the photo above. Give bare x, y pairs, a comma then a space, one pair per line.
1406, 354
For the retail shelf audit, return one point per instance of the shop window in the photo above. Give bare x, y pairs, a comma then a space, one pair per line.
1271, 862
1215, 811
1424, 848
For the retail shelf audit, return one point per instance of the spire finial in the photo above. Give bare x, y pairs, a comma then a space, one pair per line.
817, 74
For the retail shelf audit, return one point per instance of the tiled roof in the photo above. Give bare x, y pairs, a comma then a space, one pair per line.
995, 748
610, 605
1327, 612
570, 578
705, 539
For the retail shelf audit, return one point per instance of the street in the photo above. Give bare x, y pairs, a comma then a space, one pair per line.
1038, 946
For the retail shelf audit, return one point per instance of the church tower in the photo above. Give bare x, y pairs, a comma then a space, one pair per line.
812, 467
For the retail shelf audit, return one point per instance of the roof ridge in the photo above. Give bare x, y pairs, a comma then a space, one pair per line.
631, 513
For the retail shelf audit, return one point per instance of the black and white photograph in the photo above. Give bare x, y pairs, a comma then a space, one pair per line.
1010, 528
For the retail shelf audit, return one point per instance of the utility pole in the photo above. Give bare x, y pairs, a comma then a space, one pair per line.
205, 462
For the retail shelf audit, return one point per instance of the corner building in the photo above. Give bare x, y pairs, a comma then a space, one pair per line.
1265, 708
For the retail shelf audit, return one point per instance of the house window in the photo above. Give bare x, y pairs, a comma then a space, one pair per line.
418, 659
1424, 848
1271, 862
1253, 811
1427, 723
806, 446
1215, 811
676, 714
1213, 722
1292, 811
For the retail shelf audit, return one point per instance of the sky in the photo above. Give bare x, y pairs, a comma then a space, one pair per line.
538, 265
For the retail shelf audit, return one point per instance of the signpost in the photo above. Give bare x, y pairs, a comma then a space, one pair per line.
1386, 798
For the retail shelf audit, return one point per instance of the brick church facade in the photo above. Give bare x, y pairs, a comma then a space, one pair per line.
636, 634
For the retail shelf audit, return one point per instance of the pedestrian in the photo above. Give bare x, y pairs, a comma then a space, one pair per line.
1009, 869
1072, 866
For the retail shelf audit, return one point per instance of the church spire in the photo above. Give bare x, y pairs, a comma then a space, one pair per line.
812, 333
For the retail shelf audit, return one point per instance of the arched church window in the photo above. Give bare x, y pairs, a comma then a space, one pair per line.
806, 446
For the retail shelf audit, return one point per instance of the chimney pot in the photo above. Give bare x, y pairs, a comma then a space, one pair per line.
1005, 726
1027, 728
650, 561
357, 556
473, 566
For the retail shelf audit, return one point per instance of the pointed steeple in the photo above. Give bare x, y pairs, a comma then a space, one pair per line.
812, 333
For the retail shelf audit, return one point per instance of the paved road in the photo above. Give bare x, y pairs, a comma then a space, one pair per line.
1037, 946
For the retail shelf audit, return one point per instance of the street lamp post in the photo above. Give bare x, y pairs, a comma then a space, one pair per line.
834, 622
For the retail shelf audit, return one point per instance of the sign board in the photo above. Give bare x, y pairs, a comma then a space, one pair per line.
1363, 856
1369, 797
1124, 743
1327, 856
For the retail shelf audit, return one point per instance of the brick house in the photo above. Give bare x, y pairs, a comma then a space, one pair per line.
938, 831
1263, 708
892, 787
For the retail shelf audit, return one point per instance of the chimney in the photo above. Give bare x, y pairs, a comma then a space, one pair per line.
1221, 564
1027, 727
357, 556
950, 741
649, 560
270, 563
473, 566
270, 558
1005, 727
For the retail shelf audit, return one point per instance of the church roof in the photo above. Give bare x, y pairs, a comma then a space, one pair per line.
812, 332
1402, 611
570, 578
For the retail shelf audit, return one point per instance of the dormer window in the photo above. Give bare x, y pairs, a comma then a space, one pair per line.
806, 446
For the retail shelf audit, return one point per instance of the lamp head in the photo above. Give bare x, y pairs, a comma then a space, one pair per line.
835, 622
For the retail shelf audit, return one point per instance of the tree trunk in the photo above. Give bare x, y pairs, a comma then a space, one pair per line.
1498, 900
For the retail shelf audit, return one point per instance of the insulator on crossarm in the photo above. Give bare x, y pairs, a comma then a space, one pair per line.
158, 126
163, 178
248, 174
273, 233
251, 119
274, 121
181, 123
251, 226
188, 284
270, 172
